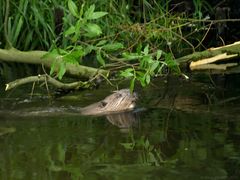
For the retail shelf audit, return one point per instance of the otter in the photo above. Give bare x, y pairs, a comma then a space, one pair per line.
120, 101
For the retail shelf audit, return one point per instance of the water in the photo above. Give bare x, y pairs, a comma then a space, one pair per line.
183, 134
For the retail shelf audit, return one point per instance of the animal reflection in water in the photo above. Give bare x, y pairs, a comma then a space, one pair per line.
124, 120
118, 108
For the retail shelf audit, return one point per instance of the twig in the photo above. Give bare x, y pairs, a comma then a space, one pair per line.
204, 35
46, 80
33, 86
56, 83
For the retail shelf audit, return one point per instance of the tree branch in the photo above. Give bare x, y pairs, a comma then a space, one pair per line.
36, 57
56, 83
224, 59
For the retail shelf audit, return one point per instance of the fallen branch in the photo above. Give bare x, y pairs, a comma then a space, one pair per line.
46, 78
216, 58
211, 52
214, 66
36, 57
205, 60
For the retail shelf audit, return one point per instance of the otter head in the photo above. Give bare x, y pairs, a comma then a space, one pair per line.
121, 100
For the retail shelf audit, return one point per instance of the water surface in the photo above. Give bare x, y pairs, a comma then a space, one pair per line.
188, 131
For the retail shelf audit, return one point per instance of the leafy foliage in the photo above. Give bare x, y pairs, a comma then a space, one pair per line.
150, 65
117, 36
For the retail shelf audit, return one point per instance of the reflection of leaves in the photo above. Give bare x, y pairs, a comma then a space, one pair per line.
55, 168
128, 146
202, 153
61, 152
4, 130
229, 150
148, 153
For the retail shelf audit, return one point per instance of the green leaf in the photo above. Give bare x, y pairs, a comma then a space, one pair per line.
18, 29
142, 80
78, 26
102, 42
73, 8
100, 59
146, 50
154, 65
172, 64
132, 84
52, 69
113, 46
148, 78
69, 59
159, 54
89, 13
170, 61
77, 31
74, 56
140, 73
53, 54
96, 15
139, 48
81, 10
28, 40
88, 49
62, 70
131, 56
69, 31
92, 30
145, 61
127, 73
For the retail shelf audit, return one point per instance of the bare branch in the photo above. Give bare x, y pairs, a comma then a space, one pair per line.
56, 83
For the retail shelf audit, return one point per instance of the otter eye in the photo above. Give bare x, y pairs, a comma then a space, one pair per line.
103, 104
119, 95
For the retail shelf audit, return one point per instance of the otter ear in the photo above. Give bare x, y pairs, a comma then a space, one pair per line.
103, 104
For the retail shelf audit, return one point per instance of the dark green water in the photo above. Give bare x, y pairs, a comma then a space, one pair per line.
178, 136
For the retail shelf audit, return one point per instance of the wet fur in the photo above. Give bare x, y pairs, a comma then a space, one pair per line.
119, 101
